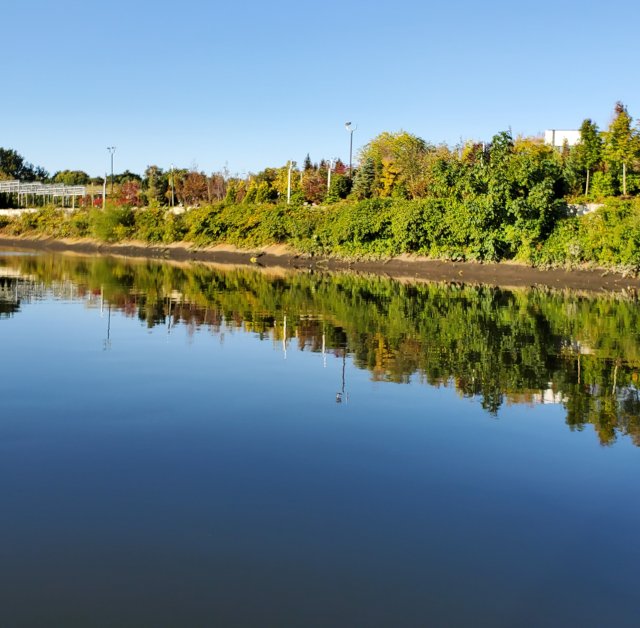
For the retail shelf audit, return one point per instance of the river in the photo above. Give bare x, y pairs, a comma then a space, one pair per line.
198, 445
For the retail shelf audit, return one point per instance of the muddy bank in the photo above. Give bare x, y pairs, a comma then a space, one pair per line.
505, 274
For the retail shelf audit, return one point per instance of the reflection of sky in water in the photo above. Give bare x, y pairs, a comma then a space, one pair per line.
199, 478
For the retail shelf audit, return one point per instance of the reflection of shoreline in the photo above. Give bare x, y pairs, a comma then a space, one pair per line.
404, 267
7, 272
498, 346
17, 287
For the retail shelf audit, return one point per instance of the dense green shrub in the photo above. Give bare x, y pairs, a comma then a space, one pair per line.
202, 225
113, 223
603, 184
533, 228
409, 227
151, 224
562, 248
174, 229
608, 237
79, 223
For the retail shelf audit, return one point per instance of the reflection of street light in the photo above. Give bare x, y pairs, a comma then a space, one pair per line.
168, 319
324, 353
350, 129
111, 149
107, 341
340, 395
284, 336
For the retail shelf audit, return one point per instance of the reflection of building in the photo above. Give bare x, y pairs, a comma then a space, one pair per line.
534, 397
550, 396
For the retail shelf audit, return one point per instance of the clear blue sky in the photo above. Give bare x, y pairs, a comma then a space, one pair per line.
253, 84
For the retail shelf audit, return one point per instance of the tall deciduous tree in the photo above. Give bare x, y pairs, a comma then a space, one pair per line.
14, 166
192, 188
129, 193
126, 176
398, 163
217, 186
72, 177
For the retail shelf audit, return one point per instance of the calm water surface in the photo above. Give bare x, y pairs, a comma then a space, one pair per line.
189, 446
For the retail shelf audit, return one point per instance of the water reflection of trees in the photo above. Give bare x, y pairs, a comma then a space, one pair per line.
497, 345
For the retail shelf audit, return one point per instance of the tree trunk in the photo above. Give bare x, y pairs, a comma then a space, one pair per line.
586, 187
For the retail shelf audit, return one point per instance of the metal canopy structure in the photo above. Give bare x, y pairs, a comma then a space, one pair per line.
54, 190
24, 190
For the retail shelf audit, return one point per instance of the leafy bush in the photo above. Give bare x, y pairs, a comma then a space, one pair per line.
603, 184
562, 248
79, 223
112, 224
608, 237
150, 224
202, 225
532, 227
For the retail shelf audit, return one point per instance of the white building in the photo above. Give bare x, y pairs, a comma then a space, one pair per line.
557, 137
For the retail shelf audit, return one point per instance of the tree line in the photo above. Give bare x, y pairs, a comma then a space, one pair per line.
510, 198
604, 163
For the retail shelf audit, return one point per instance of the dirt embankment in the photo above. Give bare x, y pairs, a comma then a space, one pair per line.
405, 267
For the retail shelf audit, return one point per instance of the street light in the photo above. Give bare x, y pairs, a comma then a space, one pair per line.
111, 149
350, 130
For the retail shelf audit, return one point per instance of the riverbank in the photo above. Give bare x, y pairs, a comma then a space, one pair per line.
404, 267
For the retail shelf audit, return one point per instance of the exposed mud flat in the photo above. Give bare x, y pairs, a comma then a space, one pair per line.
405, 267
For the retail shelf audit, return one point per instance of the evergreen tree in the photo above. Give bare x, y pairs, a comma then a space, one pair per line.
588, 152
363, 183
308, 165
155, 185
621, 143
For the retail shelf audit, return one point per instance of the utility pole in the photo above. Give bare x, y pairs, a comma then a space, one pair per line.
291, 165
173, 200
111, 149
330, 165
350, 130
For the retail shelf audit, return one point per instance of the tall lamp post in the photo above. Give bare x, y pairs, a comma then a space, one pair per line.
350, 130
111, 149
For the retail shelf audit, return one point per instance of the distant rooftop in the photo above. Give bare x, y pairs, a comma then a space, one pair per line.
557, 137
